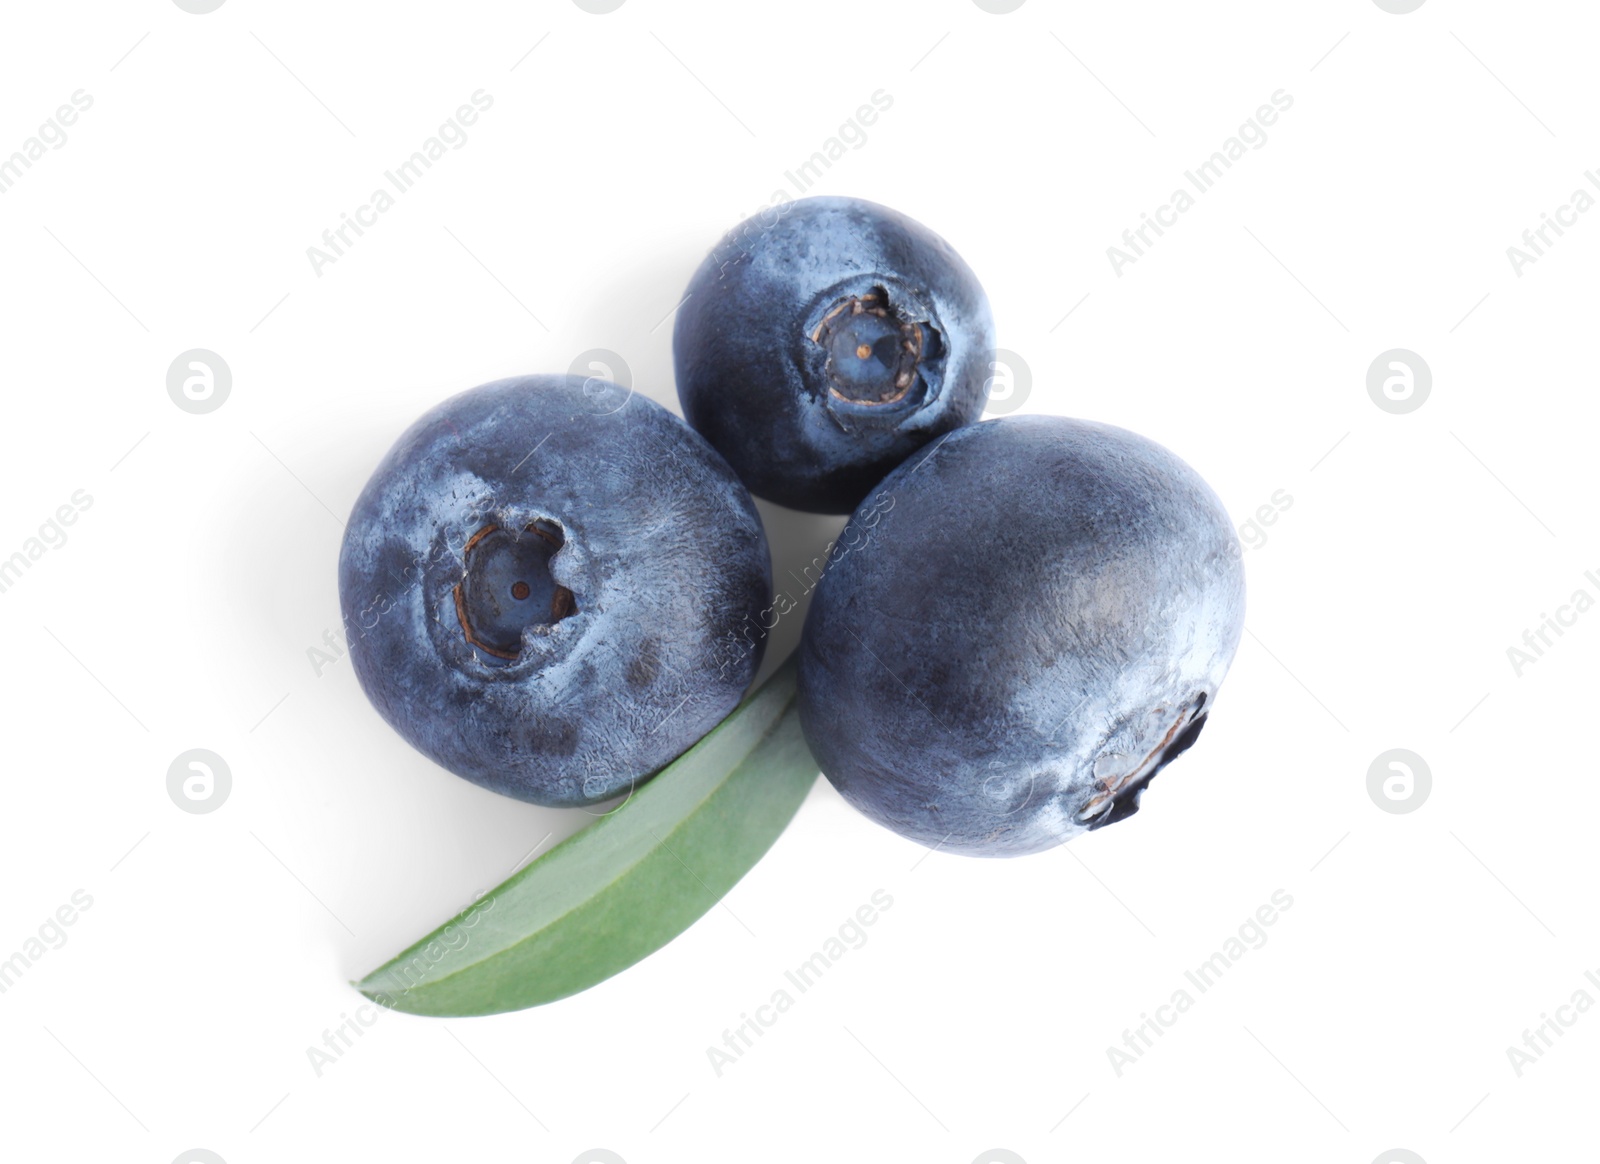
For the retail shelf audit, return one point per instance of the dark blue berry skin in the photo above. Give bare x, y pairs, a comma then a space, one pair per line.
547, 587
1016, 631
824, 341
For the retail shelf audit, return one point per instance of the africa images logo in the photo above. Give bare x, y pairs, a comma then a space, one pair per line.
403, 178
53, 133
1136, 240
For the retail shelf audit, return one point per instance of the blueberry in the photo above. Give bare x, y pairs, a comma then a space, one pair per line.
825, 340
547, 587
1016, 631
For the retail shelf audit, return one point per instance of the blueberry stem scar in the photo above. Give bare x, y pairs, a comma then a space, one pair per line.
873, 354
489, 625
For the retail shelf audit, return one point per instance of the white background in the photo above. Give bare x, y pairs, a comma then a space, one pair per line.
1417, 549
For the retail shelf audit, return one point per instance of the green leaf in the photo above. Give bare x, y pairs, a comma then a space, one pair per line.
626, 885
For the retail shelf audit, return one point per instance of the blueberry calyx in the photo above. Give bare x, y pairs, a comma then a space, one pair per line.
1119, 799
876, 354
506, 587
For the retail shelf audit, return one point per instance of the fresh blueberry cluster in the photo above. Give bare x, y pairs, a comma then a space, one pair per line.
545, 584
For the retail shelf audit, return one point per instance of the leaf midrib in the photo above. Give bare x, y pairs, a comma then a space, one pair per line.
429, 983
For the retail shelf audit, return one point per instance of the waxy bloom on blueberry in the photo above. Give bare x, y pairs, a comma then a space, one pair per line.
546, 587
1019, 628
825, 340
